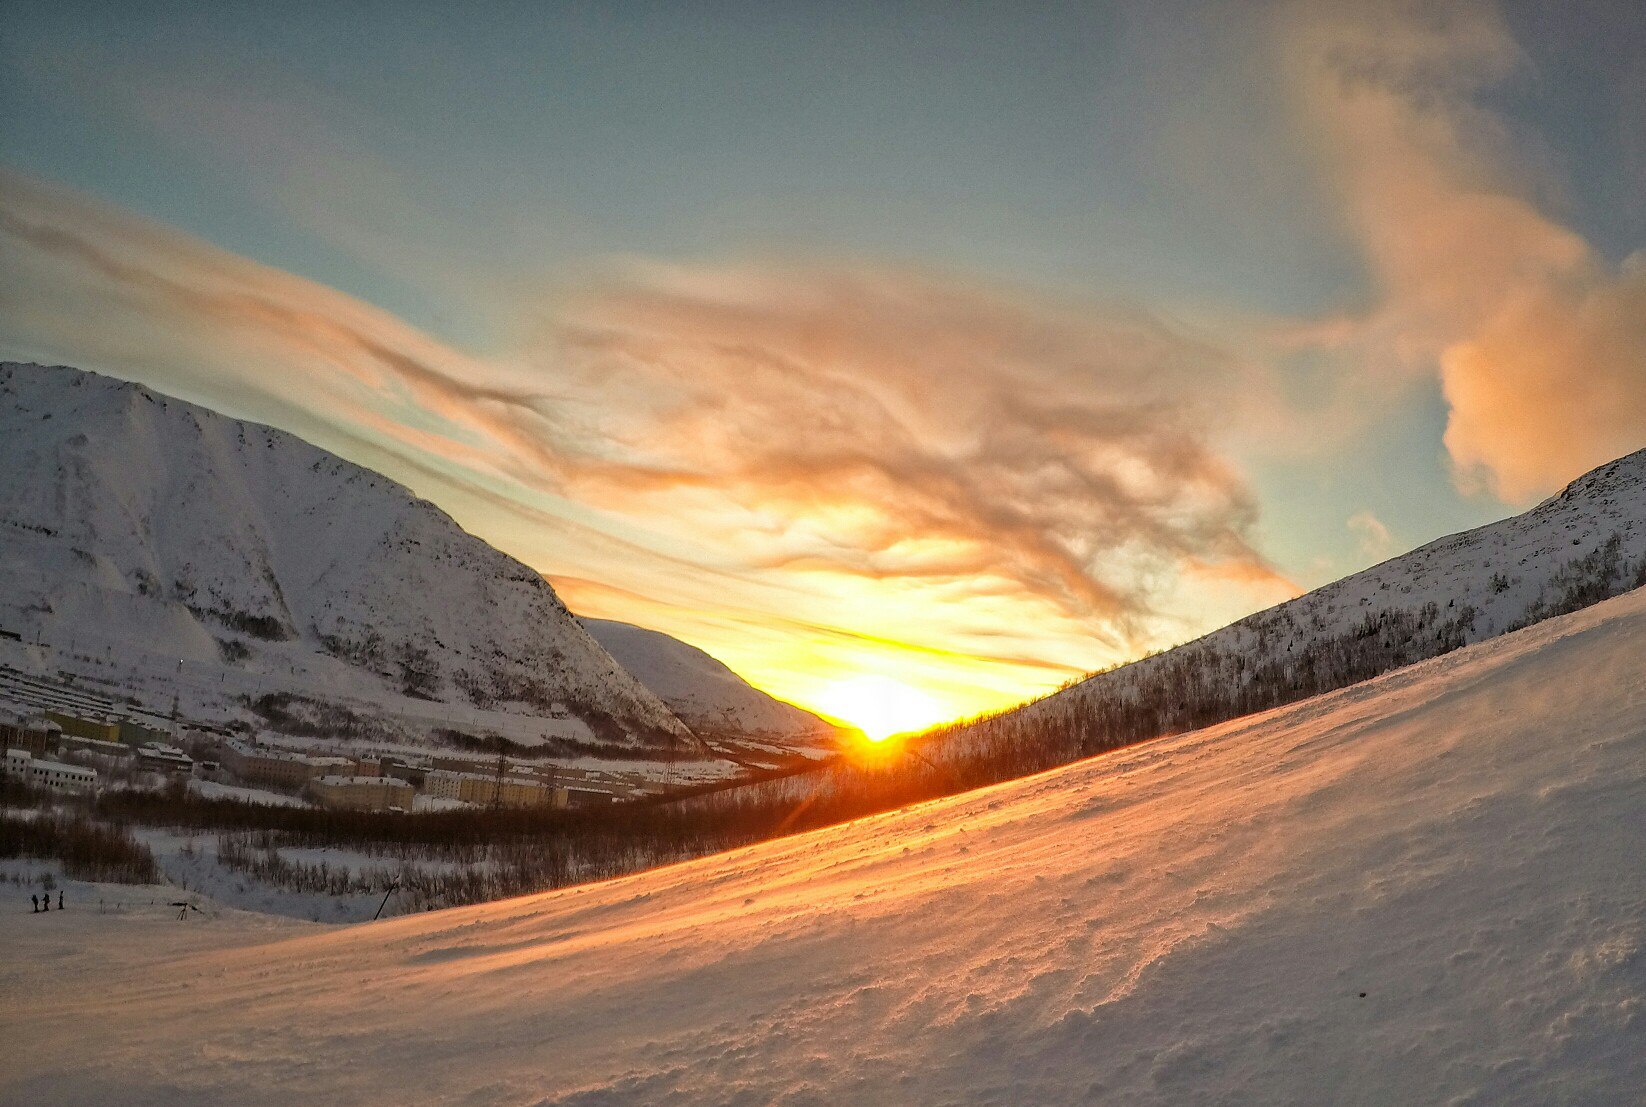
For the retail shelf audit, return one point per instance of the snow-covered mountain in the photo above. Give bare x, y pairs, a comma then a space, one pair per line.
1572, 550
705, 694
1427, 888
160, 548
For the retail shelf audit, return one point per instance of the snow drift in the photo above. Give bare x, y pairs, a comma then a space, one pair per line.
1428, 888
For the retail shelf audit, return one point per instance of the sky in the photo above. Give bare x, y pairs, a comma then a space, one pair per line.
912, 359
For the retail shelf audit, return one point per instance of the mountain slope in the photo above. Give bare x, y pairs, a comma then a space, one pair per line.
705, 694
1428, 888
1574, 549
158, 545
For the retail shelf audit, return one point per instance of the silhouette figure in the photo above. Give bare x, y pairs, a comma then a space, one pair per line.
46, 902
34, 902
59, 899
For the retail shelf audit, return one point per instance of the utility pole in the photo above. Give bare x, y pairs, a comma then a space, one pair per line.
393, 884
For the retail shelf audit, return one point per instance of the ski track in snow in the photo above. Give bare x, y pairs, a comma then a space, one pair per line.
1188, 921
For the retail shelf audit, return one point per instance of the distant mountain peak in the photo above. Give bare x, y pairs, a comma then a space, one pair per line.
707, 695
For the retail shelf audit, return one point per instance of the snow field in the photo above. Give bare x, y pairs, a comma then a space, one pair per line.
1430, 888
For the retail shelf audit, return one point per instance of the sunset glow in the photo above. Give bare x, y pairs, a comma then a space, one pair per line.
881, 707
793, 552
974, 409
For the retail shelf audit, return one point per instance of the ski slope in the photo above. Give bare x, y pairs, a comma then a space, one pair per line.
1430, 888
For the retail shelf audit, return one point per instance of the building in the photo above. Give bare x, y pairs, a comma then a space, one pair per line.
488, 791
267, 765
166, 759
587, 797
133, 733
69, 743
87, 726
362, 793
21, 730
411, 772
54, 776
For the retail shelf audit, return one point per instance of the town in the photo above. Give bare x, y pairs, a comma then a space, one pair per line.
64, 741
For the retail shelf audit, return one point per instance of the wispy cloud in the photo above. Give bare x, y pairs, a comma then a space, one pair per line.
1376, 543
892, 424
892, 455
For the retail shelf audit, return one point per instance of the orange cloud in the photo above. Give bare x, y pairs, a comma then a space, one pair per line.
1553, 384
884, 469
891, 424
1539, 341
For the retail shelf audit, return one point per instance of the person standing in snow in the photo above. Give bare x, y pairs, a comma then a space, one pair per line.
34, 903
59, 899
45, 902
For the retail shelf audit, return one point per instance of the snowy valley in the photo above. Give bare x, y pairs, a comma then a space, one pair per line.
1329, 878
1430, 887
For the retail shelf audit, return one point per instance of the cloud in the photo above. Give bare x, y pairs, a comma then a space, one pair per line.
892, 424
1553, 383
1538, 339
895, 456
1376, 543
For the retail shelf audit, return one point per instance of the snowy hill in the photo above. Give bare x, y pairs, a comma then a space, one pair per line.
1427, 888
702, 692
156, 547
1572, 550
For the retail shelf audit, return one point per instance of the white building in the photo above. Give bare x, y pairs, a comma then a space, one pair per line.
166, 759
53, 776
258, 764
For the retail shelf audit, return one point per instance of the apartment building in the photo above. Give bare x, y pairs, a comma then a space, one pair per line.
362, 793
267, 765
21, 729
51, 775
486, 791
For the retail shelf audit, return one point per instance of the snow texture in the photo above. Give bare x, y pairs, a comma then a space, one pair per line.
1427, 888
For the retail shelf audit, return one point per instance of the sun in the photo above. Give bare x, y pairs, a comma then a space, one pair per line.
880, 706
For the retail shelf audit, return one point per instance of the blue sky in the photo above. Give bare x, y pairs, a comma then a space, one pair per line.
504, 180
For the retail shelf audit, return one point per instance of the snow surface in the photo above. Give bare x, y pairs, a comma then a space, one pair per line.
191, 867
703, 692
147, 542
212, 789
1428, 888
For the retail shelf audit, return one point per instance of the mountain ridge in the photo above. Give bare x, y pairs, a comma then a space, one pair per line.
1577, 547
703, 691
140, 523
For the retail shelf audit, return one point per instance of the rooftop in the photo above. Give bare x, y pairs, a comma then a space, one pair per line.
363, 781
